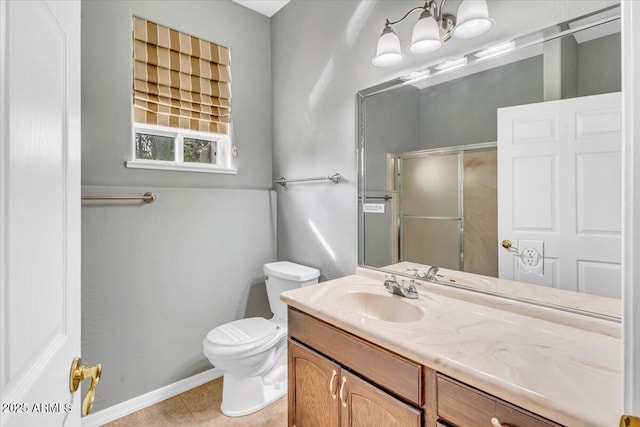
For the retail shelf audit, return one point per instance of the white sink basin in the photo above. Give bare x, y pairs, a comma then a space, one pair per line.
389, 308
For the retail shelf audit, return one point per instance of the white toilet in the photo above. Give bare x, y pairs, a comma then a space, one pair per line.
252, 352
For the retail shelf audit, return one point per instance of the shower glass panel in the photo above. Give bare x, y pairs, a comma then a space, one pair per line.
431, 241
431, 186
431, 210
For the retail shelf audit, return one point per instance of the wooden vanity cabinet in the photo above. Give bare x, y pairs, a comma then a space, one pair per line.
337, 379
333, 388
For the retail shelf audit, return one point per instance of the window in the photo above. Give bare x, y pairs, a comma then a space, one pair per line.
181, 101
158, 147
199, 151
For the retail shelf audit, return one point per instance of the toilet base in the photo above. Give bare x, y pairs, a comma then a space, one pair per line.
244, 396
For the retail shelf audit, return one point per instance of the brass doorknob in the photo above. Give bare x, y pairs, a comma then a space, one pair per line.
629, 421
79, 373
506, 244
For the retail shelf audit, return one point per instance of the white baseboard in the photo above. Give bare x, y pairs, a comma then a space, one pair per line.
132, 405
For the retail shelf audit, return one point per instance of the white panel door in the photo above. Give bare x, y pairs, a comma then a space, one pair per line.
39, 211
559, 182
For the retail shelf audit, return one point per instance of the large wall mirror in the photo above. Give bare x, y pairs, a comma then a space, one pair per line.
503, 163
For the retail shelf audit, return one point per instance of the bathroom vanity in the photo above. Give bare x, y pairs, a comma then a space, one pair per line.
361, 356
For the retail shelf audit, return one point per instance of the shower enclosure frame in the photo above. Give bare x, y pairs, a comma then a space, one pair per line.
398, 222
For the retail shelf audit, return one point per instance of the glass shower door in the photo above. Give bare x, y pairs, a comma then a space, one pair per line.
431, 210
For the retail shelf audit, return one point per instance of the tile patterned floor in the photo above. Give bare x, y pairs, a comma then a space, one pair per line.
200, 407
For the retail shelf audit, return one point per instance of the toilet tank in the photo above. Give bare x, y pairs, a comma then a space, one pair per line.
282, 276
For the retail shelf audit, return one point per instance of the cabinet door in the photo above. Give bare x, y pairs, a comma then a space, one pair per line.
313, 387
364, 405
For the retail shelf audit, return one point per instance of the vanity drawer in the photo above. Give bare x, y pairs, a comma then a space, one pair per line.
388, 370
464, 406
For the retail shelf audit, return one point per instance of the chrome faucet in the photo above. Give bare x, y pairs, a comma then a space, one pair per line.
399, 289
431, 273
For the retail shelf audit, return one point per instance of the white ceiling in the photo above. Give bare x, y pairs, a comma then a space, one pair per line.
265, 7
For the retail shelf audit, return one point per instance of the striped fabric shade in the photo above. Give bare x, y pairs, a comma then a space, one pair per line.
179, 81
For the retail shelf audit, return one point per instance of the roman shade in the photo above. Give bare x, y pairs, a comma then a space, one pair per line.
179, 81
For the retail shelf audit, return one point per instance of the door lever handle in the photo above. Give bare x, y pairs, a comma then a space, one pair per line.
78, 374
629, 421
507, 245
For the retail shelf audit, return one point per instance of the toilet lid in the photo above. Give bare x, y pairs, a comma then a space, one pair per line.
254, 330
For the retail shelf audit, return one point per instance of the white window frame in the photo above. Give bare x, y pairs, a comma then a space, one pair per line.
223, 151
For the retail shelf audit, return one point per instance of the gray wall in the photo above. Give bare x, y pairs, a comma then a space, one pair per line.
599, 66
156, 278
392, 126
322, 54
464, 111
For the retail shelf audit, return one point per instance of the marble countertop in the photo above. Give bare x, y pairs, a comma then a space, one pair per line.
569, 372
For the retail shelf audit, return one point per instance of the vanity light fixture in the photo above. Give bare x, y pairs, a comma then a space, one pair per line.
451, 65
496, 50
433, 29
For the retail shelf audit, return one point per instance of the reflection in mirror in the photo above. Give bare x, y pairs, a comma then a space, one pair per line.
507, 167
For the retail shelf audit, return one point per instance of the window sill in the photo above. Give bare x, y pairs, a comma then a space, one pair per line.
171, 166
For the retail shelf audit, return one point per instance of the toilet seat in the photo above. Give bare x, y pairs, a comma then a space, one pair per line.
244, 336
